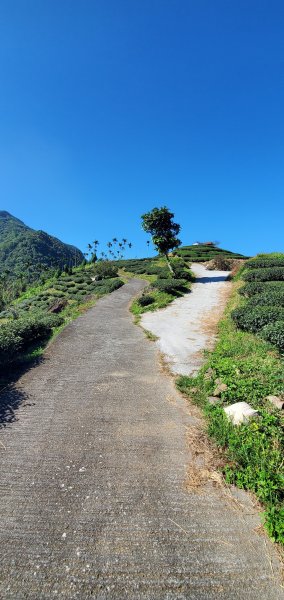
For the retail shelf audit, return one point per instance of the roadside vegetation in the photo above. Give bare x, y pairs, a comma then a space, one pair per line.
247, 365
28, 323
164, 285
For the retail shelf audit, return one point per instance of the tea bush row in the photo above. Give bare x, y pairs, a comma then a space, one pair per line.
274, 333
272, 298
17, 335
170, 286
254, 318
265, 274
258, 287
267, 263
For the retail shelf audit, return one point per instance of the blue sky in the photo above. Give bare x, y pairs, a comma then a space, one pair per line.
111, 107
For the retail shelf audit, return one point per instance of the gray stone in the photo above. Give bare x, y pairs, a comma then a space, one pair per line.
221, 387
276, 401
213, 400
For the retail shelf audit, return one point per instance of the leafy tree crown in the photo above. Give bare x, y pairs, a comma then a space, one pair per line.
160, 225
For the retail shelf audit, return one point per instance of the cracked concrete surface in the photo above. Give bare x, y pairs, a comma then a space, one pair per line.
93, 500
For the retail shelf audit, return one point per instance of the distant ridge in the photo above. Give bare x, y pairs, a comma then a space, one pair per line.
23, 248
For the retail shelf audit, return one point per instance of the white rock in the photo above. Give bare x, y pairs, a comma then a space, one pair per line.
240, 412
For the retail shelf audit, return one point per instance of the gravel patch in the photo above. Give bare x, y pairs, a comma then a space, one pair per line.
187, 326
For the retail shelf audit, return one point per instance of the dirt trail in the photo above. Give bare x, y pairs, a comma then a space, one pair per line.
93, 500
187, 326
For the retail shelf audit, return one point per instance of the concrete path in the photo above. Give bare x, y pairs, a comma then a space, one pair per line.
187, 326
92, 496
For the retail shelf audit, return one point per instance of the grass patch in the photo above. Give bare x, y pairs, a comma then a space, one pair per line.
251, 368
161, 292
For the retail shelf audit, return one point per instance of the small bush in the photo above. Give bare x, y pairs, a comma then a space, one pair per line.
106, 287
181, 273
163, 273
106, 269
266, 274
10, 343
170, 286
19, 334
257, 287
253, 319
274, 333
145, 300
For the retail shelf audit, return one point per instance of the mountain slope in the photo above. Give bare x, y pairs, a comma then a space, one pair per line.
23, 248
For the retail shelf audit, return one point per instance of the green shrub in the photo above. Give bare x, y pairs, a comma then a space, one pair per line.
35, 327
106, 287
181, 273
19, 334
106, 269
266, 274
164, 273
253, 319
70, 284
10, 343
258, 263
274, 333
145, 300
257, 287
170, 286
271, 298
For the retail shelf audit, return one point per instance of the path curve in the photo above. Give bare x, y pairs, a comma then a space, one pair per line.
187, 326
92, 495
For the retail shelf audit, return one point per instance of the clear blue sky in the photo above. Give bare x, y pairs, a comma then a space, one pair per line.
111, 107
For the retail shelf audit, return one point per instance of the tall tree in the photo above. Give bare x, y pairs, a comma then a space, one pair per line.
163, 230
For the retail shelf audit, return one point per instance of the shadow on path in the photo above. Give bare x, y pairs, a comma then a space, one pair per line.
11, 396
211, 279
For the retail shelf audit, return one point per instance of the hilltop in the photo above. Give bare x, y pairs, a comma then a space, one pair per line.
205, 252
25, 250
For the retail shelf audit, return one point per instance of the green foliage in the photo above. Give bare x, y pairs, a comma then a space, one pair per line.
259, 287
170, 286
160, 225
267, 298
265, 262
274, 333
145, 300
266, 274
19, 334
108, 286
253, 451
10, 344
27, 253
254, 318
255, 455
105, 269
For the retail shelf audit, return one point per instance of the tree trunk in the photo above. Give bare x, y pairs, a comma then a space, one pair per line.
169, 264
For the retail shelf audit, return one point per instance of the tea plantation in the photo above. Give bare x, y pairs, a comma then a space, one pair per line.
262, 310
28, 322
201, 253
247, 360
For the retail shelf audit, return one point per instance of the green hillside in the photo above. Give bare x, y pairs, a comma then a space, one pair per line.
26, 251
